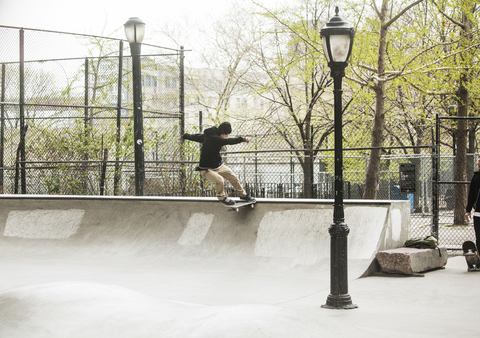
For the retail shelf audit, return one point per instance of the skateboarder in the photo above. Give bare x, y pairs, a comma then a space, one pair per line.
474, 202
211, 166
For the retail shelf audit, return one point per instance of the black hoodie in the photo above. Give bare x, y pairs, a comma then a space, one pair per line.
473, 199
212, 144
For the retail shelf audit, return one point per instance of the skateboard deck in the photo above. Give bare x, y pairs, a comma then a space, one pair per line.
471, 256
239, 204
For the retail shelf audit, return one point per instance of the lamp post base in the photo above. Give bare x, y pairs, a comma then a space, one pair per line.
339, 302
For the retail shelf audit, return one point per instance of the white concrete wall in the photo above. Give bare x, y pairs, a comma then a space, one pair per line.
289, 232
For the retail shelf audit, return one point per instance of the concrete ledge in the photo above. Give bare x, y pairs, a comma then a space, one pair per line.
277, 233
410, 261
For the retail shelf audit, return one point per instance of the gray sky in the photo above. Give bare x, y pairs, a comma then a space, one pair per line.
91, 16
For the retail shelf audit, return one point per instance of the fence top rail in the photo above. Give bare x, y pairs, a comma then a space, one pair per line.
323, 150
82, 107
166, 162
87, 35
452, 182
459, 118
89, 58
101, 161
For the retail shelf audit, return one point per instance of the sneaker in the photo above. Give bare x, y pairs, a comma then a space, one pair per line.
247, 198
228, 201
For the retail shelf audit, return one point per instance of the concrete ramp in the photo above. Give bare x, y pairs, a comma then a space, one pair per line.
180, 267
286, 233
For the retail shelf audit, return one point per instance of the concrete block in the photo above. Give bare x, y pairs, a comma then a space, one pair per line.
410, 261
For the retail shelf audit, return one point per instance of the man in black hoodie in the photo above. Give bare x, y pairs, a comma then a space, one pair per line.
474, 202
211, 165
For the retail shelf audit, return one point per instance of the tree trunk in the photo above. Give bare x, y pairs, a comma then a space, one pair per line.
373, 169
460, 173
307, 177
307, 163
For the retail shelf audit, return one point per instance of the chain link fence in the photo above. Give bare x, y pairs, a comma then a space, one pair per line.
455, 135
67, 117
67, 128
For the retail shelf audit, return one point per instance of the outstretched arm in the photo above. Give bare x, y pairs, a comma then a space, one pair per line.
235, 140
194, 137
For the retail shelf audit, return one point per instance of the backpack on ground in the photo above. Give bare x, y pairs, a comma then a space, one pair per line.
428, 242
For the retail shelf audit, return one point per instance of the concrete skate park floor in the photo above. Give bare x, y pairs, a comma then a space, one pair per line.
91, 292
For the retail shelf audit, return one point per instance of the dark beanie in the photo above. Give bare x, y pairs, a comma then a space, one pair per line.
225, 128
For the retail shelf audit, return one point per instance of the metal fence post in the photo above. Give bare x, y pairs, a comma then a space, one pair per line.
2, 129
435, 180
85, 125
22, 113
200, 130
117, 174
104, 171
182, 120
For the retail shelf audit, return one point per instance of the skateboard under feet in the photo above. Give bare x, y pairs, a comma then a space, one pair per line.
240, 204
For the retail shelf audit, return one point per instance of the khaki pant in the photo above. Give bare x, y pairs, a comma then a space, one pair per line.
217, 176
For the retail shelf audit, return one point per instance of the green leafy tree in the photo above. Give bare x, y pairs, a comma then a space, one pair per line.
459, 69
291, 73
372, 62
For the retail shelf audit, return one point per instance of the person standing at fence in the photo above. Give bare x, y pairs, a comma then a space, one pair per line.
473, 201
211, 165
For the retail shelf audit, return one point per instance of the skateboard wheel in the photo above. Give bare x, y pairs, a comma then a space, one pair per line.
237, 209
252, 206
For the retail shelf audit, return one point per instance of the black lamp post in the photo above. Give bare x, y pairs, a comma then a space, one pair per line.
135, 30
337, 39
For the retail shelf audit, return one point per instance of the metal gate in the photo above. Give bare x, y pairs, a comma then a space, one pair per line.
451, 178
